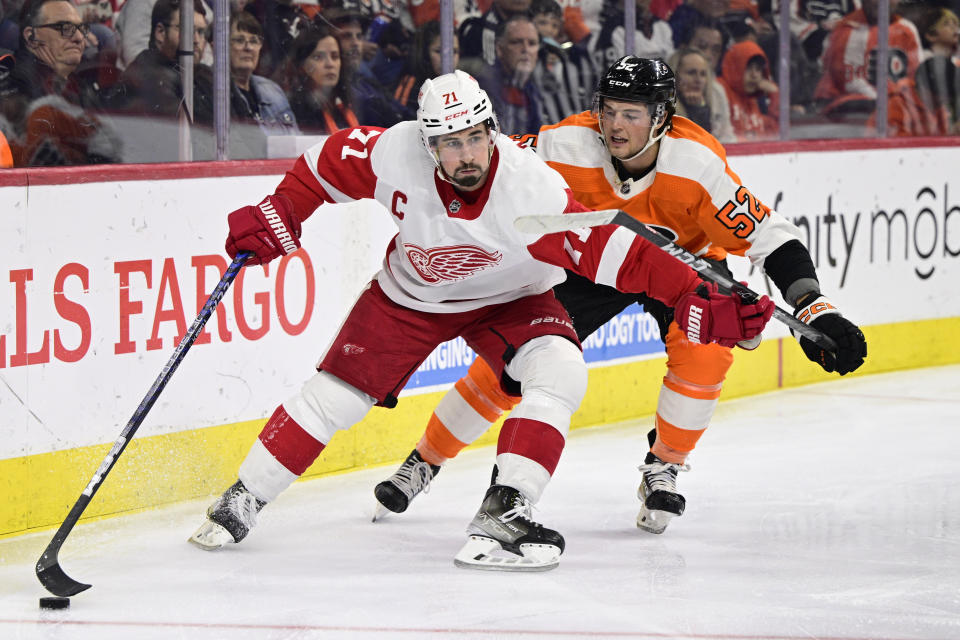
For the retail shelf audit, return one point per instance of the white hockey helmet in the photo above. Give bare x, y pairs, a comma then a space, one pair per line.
453, 102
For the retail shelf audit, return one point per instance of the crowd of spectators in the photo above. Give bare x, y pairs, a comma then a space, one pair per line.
77, 75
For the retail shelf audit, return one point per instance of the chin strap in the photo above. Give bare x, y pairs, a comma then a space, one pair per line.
443, 174
658, 122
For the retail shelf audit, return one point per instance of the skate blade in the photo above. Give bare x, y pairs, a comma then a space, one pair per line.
654, 521
210, 536
380, 512
486, 554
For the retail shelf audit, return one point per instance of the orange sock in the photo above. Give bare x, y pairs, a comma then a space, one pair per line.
464, 414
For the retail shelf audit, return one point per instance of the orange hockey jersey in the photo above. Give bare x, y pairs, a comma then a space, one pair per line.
850, 59
691, 195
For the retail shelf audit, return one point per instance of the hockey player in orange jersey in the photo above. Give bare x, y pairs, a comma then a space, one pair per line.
632, 153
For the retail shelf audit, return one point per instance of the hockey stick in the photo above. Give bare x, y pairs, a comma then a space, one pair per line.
571, 221
51, 575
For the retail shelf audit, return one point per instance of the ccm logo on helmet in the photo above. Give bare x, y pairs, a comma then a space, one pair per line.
456, 115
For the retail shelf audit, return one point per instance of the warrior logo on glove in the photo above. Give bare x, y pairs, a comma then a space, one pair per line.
268, 230
706, 316
276, 224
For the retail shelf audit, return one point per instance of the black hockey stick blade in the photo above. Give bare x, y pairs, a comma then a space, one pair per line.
49, 572
51, 575
557, 223
55, 580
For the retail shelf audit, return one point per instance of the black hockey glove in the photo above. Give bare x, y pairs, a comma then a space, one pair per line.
820, 314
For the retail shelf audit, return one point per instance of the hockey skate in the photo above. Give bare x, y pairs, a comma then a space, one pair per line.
396, 492
658, 493
504, 537
229, 519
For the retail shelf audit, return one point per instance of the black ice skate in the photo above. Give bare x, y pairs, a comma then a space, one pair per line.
658, 493
504, 537
396, 492
229, 518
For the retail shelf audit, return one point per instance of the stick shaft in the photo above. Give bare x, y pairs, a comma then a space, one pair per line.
48, 571
570, 221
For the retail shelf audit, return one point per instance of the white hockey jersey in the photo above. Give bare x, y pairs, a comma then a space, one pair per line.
459, 252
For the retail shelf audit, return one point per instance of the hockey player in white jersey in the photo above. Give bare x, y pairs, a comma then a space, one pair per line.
457, 267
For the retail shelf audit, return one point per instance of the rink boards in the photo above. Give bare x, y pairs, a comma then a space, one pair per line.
106, 268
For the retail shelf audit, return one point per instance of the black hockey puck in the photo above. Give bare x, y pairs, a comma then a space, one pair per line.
54, 602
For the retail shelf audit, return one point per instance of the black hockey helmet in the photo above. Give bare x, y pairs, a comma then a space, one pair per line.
646, 80
633, 79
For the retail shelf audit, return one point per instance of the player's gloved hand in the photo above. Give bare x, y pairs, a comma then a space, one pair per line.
269, 230
820, 314
706, 315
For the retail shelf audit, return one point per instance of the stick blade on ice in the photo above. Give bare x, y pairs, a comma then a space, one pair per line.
55, 580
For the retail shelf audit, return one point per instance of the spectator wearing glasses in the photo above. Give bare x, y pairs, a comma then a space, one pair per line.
510, 80
51, 45
254, 98
45, 101
282, 20
151, 84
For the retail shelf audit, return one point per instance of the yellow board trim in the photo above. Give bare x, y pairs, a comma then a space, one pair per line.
39, 490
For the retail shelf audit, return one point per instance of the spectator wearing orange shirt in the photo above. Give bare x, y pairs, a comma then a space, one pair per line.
753, 96
848, 85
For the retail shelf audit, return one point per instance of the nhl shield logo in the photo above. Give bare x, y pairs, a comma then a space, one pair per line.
454, 206
625, 188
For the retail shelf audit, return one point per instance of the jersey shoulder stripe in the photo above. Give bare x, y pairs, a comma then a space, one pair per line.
690, 130
342, 163
525, 181
402, 140
692, 153
573, 141
582, 119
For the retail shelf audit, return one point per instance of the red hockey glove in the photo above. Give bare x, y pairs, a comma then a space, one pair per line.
706, 315
269, 230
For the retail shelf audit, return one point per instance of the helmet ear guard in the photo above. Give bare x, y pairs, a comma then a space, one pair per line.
666, 111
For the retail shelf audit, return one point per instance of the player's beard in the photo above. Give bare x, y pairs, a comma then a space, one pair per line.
467, 181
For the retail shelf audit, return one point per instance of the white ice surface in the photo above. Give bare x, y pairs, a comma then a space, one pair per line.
827, 511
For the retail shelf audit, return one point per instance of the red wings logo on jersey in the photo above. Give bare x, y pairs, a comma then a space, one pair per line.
450, 263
